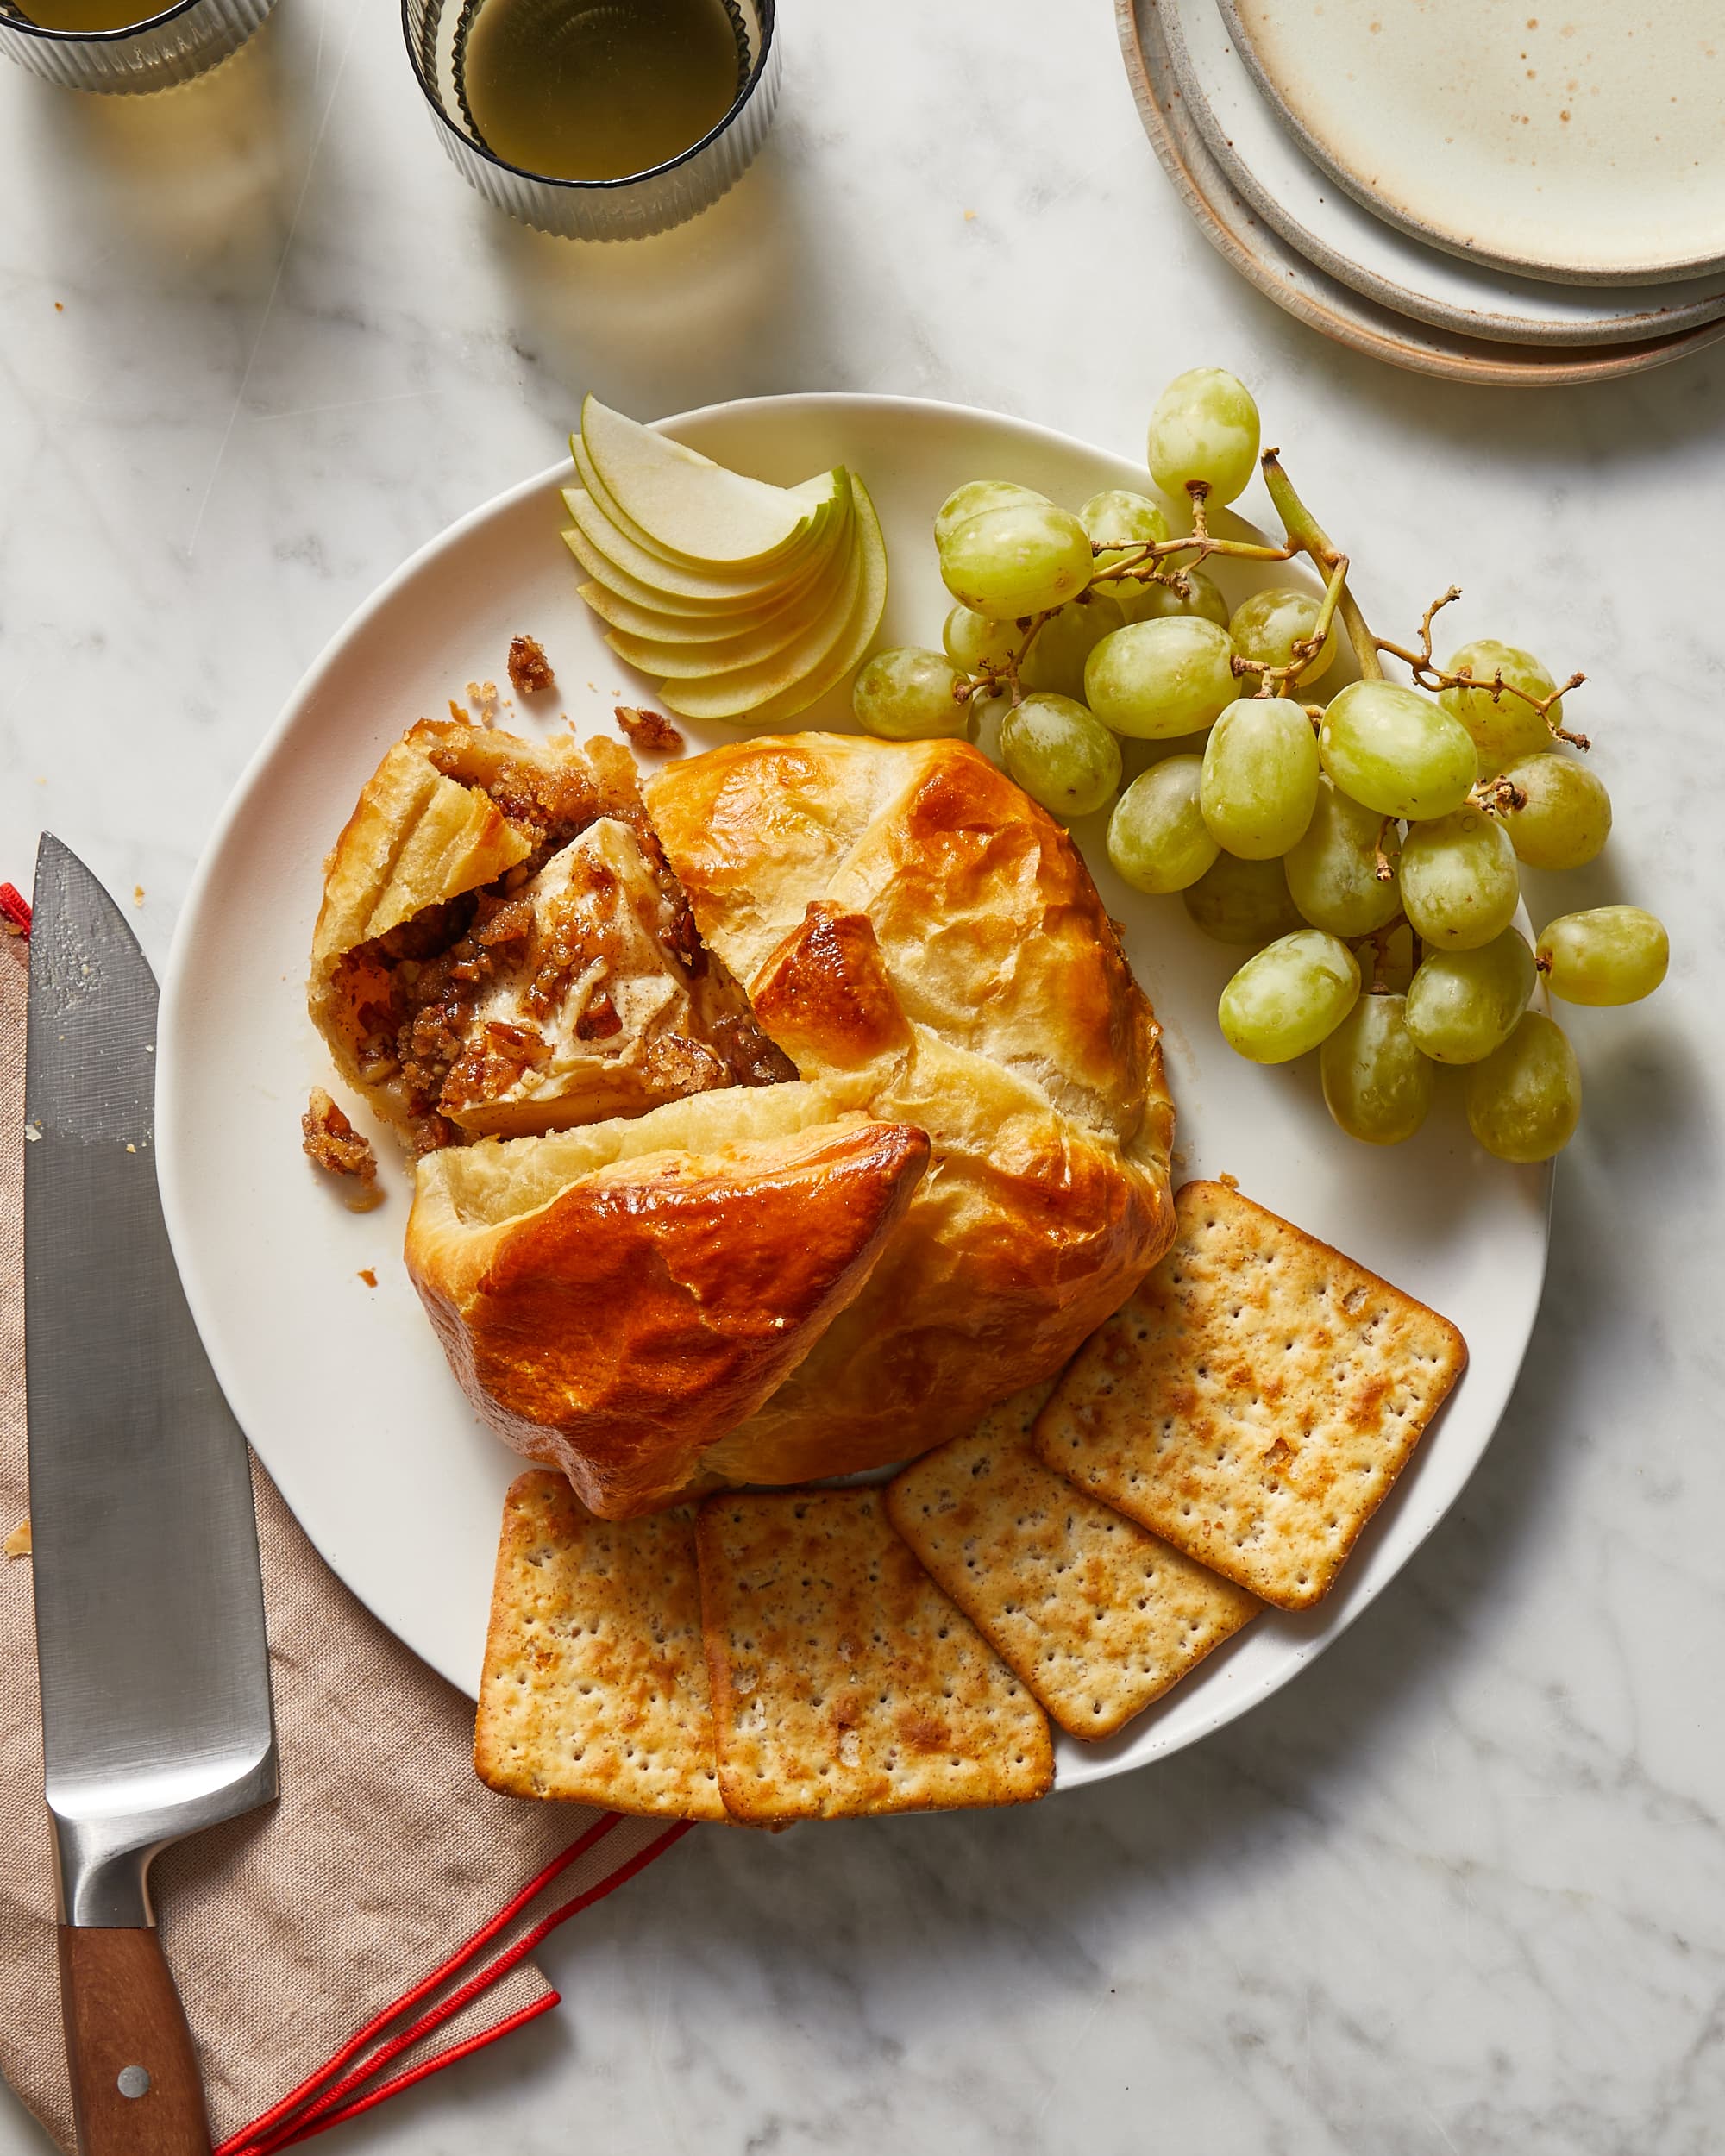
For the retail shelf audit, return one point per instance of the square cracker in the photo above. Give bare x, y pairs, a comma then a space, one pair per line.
1255, 1400
594, 1689
844, 1680
1096, 1616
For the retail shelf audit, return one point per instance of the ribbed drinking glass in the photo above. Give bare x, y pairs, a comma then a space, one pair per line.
626, 208
172, 46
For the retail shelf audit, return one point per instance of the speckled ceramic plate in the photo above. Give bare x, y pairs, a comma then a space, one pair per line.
341, 1385
1265, 164
1583, 142
1282, 274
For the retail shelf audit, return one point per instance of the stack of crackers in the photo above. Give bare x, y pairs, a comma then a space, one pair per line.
780, 1654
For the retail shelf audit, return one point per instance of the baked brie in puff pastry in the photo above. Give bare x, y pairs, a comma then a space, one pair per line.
880, 1137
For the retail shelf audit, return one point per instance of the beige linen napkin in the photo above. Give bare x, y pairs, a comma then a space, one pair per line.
295, 1929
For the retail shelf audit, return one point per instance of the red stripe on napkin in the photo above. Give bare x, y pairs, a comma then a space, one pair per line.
337, 2091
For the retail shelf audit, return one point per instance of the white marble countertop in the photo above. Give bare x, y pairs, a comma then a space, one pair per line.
1462, 1888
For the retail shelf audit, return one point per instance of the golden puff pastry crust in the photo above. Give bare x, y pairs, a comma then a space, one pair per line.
614, 1299
909, 924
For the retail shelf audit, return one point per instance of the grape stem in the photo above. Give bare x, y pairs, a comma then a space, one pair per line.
1496, 795
1306, 536
1428, 675
1277, 680
1379, 940
1003, 680
1383, 868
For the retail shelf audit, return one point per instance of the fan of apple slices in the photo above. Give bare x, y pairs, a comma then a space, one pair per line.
742, 600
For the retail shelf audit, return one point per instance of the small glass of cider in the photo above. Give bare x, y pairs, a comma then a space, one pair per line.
597, 119
125, 44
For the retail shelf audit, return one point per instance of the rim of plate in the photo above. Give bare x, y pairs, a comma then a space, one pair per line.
1282, 274
1177, 17
1434, 235
177, 987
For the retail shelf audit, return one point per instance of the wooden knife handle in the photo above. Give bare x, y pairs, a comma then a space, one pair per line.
135, 2087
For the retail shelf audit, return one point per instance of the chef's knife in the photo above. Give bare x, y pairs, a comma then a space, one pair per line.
156, 1713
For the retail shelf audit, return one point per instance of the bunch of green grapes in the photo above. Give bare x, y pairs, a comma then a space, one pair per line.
1368, 849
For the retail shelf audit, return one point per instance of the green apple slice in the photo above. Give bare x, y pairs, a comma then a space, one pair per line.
825, 492
750, 646
737, 587
604, 571
804, 670
859, 634
658, 627
733, 695
685, 502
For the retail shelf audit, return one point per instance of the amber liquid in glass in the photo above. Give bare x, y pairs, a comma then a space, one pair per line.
89, 14
598, 89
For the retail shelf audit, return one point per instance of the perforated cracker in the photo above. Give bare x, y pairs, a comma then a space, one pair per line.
1255, 1400
844, 1680
595, 1686
1096, 1616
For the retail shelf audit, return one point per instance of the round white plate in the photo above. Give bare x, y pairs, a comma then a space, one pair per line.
1389, 265
1282, 272
341, 1388
1585, 142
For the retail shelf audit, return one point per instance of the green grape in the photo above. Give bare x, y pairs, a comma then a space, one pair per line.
1059, 648
1463, 1004
1567, 817
1156, 678
1245, 902
1524, 1098
1333, 867
1459, 882
1396, 751
1268, 624
975, 644
1204, 431
1157, 602
1293, 995
1122, 519
1260, 777
1016, 560
1503, 728
1060, 755
1613, 954
972, 498
908, 695
1157, 838
1376, 1084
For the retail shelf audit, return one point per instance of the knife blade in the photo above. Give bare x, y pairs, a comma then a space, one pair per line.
157, 1717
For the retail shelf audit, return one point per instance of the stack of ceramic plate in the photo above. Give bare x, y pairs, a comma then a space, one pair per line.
1473, 190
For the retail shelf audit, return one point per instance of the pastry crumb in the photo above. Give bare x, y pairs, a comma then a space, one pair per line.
137, 895
1227, 1181
368, 1274
18, 1543
650, 730
332, 1143
530, 670
482, 695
